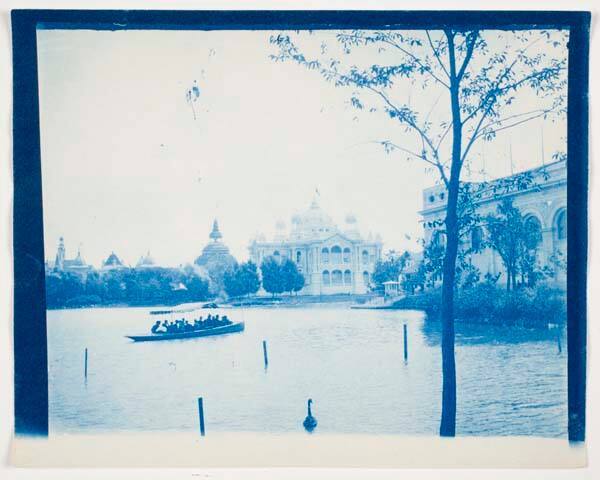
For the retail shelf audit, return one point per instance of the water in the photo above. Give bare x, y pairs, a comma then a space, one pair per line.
350, 362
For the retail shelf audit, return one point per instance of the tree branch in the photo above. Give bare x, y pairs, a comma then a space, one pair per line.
471, 40
436, 54
416, 59
435, 164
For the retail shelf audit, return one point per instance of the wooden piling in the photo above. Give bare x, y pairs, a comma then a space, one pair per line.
558, 340
405, 344
201, 416
265, 355
85, 363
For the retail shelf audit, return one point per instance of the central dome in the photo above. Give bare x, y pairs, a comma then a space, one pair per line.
312, 223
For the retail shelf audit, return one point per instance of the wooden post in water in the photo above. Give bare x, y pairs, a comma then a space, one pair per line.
558, 340
85, 362
265, 356
201, 416
405, 344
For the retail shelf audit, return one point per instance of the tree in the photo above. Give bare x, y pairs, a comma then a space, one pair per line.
272, 280
480, 74
390, 268
291, 278
241, 280
516, 241
248, 278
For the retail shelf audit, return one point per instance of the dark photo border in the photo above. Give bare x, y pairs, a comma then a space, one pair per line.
30, 345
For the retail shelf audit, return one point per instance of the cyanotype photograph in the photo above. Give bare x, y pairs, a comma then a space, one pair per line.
302, 229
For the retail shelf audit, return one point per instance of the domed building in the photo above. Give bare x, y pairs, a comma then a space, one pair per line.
215, 258
146, 262
113, 263
332, 260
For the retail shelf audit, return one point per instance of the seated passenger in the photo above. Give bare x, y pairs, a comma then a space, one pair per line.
155, 327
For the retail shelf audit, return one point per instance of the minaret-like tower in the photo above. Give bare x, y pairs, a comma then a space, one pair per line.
59, 262
215, 235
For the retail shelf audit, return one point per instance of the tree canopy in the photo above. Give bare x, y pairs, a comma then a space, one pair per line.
280, 276
241, 280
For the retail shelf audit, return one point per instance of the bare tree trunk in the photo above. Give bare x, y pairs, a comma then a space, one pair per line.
508, 279
448, 420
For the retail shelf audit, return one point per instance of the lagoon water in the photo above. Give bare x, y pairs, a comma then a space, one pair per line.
511, 381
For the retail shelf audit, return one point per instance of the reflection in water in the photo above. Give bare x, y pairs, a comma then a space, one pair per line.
510, 381
480, 333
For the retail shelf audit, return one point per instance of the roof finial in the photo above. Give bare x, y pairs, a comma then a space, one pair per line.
215, 235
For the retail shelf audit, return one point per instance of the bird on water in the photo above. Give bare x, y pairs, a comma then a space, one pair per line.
310, 422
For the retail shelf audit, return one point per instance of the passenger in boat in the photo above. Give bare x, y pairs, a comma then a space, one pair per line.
155, 327
226, 321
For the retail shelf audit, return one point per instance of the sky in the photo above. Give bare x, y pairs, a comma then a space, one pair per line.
128, 166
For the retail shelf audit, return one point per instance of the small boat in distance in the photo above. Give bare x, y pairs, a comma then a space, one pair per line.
210, 305
204, 332
166, 312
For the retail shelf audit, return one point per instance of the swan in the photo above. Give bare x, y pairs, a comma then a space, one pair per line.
310, 422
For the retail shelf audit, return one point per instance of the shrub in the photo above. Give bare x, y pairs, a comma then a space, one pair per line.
487, 302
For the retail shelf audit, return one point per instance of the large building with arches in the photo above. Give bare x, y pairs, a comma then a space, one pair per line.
543, 203
333, 260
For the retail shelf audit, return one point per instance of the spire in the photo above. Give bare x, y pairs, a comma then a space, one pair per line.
215, 235
60, 255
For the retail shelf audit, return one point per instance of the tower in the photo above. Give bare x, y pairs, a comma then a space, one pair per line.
59, 262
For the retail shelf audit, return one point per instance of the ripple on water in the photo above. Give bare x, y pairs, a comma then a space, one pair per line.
510, 381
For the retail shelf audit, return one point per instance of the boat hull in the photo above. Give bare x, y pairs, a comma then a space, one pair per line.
233, 328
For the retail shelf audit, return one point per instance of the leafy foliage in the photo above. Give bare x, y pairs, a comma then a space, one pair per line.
155, 286
280, 276
389, 268
516, 241
241, 280
487, 302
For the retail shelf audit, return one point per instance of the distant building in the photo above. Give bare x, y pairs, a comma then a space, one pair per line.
332, 260
146, 262
215, 259
544, 204
113, 262
215, 251
75, 265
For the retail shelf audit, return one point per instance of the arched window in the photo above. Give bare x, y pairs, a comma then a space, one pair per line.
336, 277
365, 257
347, 255
336, 254
326, 280
561, 225
439, 238
366, 278
298, 256
276, 254
347, 277
533, 232
325, 255
476, 238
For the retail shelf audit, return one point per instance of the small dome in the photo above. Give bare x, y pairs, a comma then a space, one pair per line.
113, 261
350, 218
146, 261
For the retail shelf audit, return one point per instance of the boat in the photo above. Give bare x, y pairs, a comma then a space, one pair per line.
204, 332
210, 305
166, 312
